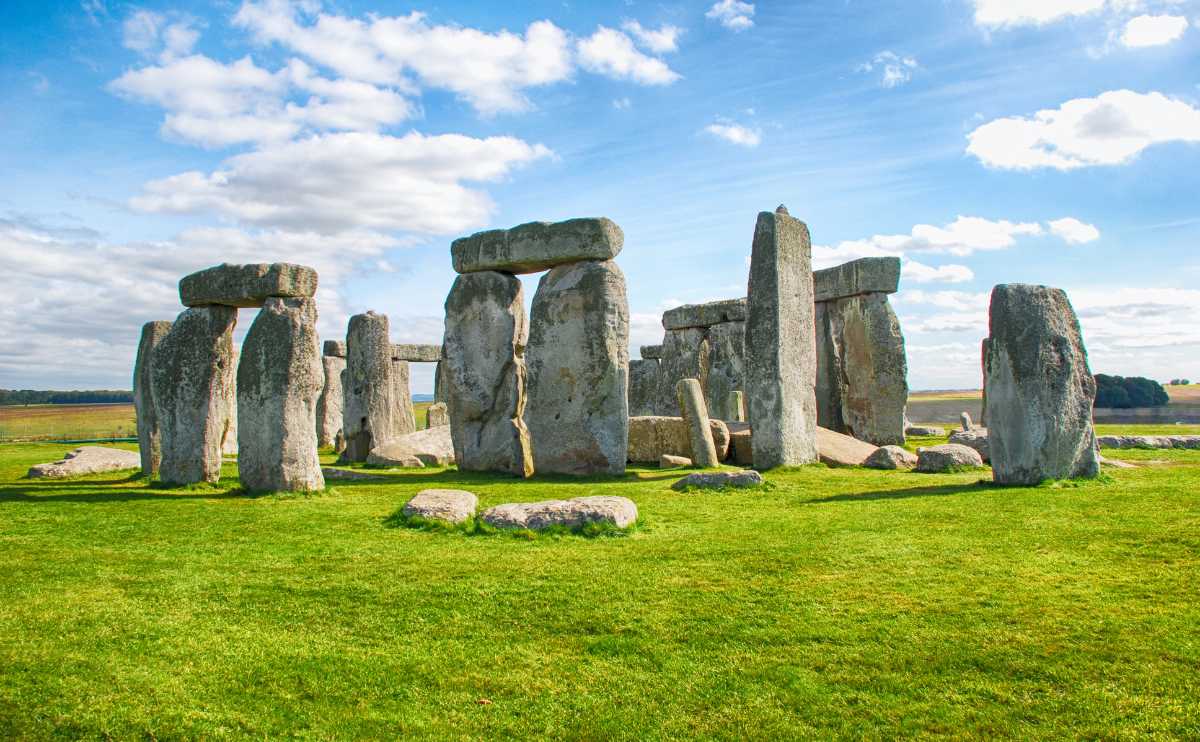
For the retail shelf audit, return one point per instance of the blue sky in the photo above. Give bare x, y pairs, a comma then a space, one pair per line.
982, 141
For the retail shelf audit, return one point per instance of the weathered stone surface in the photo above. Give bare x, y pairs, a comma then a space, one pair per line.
947, 457
537, 246
964, 419
1189, 442
348, 475
149, 438
335, 348
1116, 463
741, 444
780, 344
652, 352
695, 420
369, 402
723, 361
680, 360
278, 382
837, 449
720, 480
437, 415
578, 361
192, 377
735, 407
431, 447
229, 440
924, 431
439, 382
452, 506
667, 461
705, 315
416, 353
643, 387
891, 457
329, 404
403, 415
484, 373
652, 436
618, 511
247, 285
1039, 388
862, 276
86, 460
976, 438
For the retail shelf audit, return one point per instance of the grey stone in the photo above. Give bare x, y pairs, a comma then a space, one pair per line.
437, 415
681, 359
578, 361
652, 352
247, 285
695, 419
416, 353
838, 449
964, 419
149, 438
741, 444
484, 373
643, 387
329, 404
439, 382
652, 436
723, 367
667, 461
1039, 388
924, 431
537, 246
862, 276
976, 438
891, 457
403, 416
705, 315
1186, 442
780, 344
349, 475
229, 439
368, 393
86, 460
720, 480
948, 457
335, 348
278, 382
192, 379
735, 407
452, 506
430, 447
617, 511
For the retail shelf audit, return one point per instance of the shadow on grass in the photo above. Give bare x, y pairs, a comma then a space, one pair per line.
901, 494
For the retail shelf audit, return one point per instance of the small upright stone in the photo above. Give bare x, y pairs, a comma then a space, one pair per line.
247, 285
537, 246
695, 417
736, 406
436, 415
329, 404
964, 419
368, 413
149, 438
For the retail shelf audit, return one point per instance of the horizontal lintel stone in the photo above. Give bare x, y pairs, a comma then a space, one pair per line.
336, 348
652, 352
705, 315
537, 246
416, 353
247, 285
862, 276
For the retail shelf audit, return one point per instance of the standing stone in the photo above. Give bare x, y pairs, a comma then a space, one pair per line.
329, 404
439, 382
681, 359
964, 419
229, 439
405, 419
484, 373
436, 415
723, 357
781, 343
280, 377
149, 438
191, 375
983, 355
736, 406
368, 412
643, 386
578, 356
1039, 388
695, 417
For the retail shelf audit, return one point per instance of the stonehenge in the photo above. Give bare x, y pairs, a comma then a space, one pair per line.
149, 437
329, 404
368, 393
695, 418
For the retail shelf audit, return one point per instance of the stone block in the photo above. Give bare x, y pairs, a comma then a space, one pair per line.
246, 285
537, 246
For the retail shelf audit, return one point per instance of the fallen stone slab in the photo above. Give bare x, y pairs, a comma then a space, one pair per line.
652, 352
429, 447
1189, 442
837, 449
948, 457
976, 438
705, 315
924, 431
618, 511
862, 276
247, 285
452, 506
720, 480
891, 457
416, 353
335, 348
651, 436
537, 246
87, 460
349, 475
1117, 463
667, 461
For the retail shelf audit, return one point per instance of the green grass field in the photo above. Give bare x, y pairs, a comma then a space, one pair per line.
839, 603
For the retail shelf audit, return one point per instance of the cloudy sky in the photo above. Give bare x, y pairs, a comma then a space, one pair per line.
981, 141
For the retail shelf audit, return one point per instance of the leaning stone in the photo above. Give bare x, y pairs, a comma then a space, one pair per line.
695, 419
247, 285
891, 457
537, 246
429, 447
1039, 388
578, 361
652, 436
720, 480
335, 348
329, 404
415, 353
837, 449
278, 382
192, 378
452, 506
862, 276
403, 415
436, 415
652, 352
86, 460
149, 437
964, 419
667, 461
976, 438
780, 344
948, 457
643, 387
925, 431
368, 392
620, 512
705, 315
484, 373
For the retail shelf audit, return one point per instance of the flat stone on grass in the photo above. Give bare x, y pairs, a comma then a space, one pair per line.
620, 512
87, 460
720, 480
948, 457
667, 461
452, 506
891, 457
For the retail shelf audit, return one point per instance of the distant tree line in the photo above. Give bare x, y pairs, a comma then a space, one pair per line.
34, 396
1124, 392
1179, 382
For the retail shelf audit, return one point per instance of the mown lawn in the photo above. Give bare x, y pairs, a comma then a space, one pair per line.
839, 603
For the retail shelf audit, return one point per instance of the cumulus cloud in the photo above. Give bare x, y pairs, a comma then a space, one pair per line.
735, 134
895, 70
611, 53
1110, 129
732, 14
153, 34
1153, 30
664, 39
1073, 231
921, 273
1001, 13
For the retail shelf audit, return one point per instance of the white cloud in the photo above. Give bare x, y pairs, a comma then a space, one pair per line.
611, 53
1153, 30
1073, 231
149, 34
921, 273
896, 70
1001, 13
735, 134
661, 41
732, 14
338, 182
1110, 129
622, 104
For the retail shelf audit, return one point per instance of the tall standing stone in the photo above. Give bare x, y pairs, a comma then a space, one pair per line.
404, 417
229, 439
149, 438
484, 373
1039, 388
695, 417
329, 404
279, 380
578, 359
643, 386
681, 359
723, 358
781, 343
191, 374
368, 414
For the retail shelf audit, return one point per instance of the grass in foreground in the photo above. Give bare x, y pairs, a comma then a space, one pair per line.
841, 603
